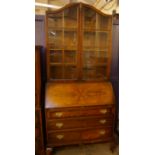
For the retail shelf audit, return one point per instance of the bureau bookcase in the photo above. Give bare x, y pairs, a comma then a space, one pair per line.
79, 99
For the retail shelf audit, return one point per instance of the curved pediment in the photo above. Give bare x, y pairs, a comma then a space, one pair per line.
80, 4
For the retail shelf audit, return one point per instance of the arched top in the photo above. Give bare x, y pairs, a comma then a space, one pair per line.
78, 4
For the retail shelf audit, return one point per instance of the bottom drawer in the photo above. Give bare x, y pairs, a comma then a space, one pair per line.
78, 136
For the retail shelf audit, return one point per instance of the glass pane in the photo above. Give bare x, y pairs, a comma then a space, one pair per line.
102, 57
55, 56
70, 56
70, 40
103, 22
89, 58
70, 72
101, 72
89, 73
55, 39
95, 73
70, 17
56, 72
55, 20
94, 58
89, 18
102, 41
89, 40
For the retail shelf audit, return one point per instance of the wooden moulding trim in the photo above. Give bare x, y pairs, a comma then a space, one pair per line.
64, 109
109, 118
47, 49
99, 127
80, 141
74, 80
75, 4
110, 51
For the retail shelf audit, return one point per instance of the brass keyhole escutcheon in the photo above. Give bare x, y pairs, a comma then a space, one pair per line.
103, 111
58, 114
60, 137
102, 121
102, 132
59, 125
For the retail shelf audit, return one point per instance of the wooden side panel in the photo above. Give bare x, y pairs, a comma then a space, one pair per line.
37, 77
39, 147
114, 77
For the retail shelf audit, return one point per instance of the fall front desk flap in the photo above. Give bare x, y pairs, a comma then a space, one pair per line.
78, 94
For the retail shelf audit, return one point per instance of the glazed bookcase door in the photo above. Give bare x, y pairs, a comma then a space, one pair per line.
79, 44
62, 44
95, 48
70, 42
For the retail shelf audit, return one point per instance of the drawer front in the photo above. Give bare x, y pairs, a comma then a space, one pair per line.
78, 136
63, 137
59, 124
95, 134
78, 112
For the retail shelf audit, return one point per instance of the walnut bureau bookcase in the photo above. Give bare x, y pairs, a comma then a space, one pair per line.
79, 99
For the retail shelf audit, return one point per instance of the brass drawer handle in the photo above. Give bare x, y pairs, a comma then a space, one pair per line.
58, 114
103, 111
60, 137
102, 121
59, 125
102, 132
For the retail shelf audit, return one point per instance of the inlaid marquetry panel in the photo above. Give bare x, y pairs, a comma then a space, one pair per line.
78, 94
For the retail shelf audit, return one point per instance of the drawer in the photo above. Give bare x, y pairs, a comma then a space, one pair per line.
78, 112
83, 122
94, 134
78, 136
63, 137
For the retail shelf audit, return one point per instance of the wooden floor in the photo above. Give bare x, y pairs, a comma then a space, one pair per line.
89, 149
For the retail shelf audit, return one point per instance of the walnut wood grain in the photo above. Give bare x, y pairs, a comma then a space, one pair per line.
79, 136
37, 76
84, 122
79, 112
39, 145
78, 94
